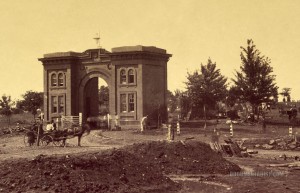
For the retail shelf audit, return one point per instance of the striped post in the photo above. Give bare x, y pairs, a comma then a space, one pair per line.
170, 133
290, 131
231, 129
178, 128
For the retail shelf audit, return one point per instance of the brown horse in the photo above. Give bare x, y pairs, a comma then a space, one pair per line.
75, 131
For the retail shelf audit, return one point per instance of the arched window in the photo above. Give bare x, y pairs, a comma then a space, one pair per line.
53, 80
131, 76
60, 79
123, 76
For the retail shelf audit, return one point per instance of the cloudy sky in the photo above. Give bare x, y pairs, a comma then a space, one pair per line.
190, 30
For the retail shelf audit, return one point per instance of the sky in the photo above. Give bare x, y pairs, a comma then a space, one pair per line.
191, 30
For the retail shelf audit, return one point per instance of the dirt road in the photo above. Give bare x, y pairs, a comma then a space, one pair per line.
263, 179
12, 147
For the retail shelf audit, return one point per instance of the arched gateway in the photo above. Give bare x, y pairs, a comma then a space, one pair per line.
136, 77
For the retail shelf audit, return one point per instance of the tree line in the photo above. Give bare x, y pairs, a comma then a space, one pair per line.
207, 88
31, 102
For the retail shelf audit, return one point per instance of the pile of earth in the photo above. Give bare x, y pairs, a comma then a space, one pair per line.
138, 168
109, 171
189, 157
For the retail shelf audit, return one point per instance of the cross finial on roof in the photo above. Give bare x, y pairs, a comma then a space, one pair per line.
97, 39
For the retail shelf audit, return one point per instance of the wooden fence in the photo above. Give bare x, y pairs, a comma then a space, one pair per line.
69, 121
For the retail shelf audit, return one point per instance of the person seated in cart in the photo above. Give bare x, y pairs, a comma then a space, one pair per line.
49, 127
54, 124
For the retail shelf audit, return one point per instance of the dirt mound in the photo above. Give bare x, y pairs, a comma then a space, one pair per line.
138, 168
110, 171
183, 157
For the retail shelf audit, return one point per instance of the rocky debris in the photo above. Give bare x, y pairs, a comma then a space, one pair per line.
294, 164
272, 142
138, 168
288, 158
267, 146
252, 152
292, 146
283, 143
230, 148
257, 146
283, 156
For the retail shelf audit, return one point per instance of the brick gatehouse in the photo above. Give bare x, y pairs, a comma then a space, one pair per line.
136, 77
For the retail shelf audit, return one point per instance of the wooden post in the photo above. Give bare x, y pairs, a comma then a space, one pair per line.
38, 136
40, 126
231, 129
80, 119
204, 111
107, 120
178, 128
169, 132
291, 131
57, 122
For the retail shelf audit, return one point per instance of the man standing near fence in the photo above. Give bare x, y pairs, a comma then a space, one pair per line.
144, 123
116, 121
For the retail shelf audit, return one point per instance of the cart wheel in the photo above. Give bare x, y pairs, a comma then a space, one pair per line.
46, 140
58, 142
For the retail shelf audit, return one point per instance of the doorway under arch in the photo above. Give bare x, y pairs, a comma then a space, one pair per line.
89, 94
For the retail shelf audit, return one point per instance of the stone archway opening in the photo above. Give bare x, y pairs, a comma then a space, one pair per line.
96, 103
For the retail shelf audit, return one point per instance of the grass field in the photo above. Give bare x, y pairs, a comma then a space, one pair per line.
22, 119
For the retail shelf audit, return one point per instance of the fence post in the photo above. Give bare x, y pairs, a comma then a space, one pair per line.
178, 127
169, 132
80, 119
108, 120
57, 123
231, 129
290, 131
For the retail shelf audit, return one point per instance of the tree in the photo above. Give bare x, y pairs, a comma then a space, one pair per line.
6, 107
32, 101
286, 93
178, 100
185, 104
232, 96
255, 82
171, 101
104, 100
206, 88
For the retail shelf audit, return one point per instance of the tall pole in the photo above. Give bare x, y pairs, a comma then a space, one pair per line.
204, 111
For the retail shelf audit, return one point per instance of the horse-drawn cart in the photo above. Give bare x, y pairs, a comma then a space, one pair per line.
55, 137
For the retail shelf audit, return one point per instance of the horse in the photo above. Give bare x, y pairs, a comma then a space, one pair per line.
75, 131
